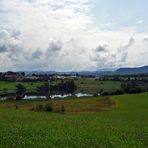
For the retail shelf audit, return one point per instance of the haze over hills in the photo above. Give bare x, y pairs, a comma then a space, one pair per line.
120, 71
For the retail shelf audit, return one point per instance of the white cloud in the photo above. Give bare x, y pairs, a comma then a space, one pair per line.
61, 35
139, 22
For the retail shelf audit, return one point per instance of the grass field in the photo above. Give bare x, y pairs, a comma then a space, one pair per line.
12, 85
83, 85
88, 122
94, 86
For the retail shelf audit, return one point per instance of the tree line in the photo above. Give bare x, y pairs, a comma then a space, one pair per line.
48, 89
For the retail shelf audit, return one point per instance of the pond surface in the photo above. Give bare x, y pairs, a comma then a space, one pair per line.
58, 96
31, 97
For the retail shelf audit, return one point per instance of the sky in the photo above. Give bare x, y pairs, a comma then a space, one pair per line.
73, 35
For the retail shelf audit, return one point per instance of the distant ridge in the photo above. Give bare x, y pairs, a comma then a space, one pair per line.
100, 72
127, 71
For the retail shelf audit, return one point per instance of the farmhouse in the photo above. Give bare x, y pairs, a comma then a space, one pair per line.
13, 76
10, 76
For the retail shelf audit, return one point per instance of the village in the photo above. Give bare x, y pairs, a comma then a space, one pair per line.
21, 76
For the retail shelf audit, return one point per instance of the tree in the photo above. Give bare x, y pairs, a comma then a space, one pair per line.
45, 90
67, 87
20, 91
71, 87
130, 87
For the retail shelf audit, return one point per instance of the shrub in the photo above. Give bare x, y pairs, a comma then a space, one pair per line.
16, 107
62, 109
38, 108
31, 84
95, 95
105, 93
43, 108
48, 107
118, 92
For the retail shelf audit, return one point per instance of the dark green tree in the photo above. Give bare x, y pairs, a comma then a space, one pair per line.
44, 90
20, 91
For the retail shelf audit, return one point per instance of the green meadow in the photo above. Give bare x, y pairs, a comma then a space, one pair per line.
88, 122
12, 85
83, 85
94, 86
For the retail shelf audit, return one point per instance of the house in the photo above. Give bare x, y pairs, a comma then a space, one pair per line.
13, 76
31, 78
10, 76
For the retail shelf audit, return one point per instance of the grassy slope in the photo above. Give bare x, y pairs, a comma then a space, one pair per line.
125, 126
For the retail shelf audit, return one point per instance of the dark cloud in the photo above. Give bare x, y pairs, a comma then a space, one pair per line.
101, 56
8, 40
102, 47
37, 54
123, 50
3, 48
129, 44
145, 39
54, 47
15, 33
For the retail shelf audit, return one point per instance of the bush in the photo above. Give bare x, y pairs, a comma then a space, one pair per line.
16, 107
48, 107
38, 108
95, 95
62, 109
105, 93
32, 84
118, 92
43, 108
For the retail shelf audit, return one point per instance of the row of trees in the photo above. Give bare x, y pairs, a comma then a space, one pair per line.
47, 89
64, 87
130, 87
142, 77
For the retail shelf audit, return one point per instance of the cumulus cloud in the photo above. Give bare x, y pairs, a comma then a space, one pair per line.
7, 41
36, 24
60, 35
101, 56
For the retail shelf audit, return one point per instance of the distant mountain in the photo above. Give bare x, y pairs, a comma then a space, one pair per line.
39, 72
127, 71
100, 72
